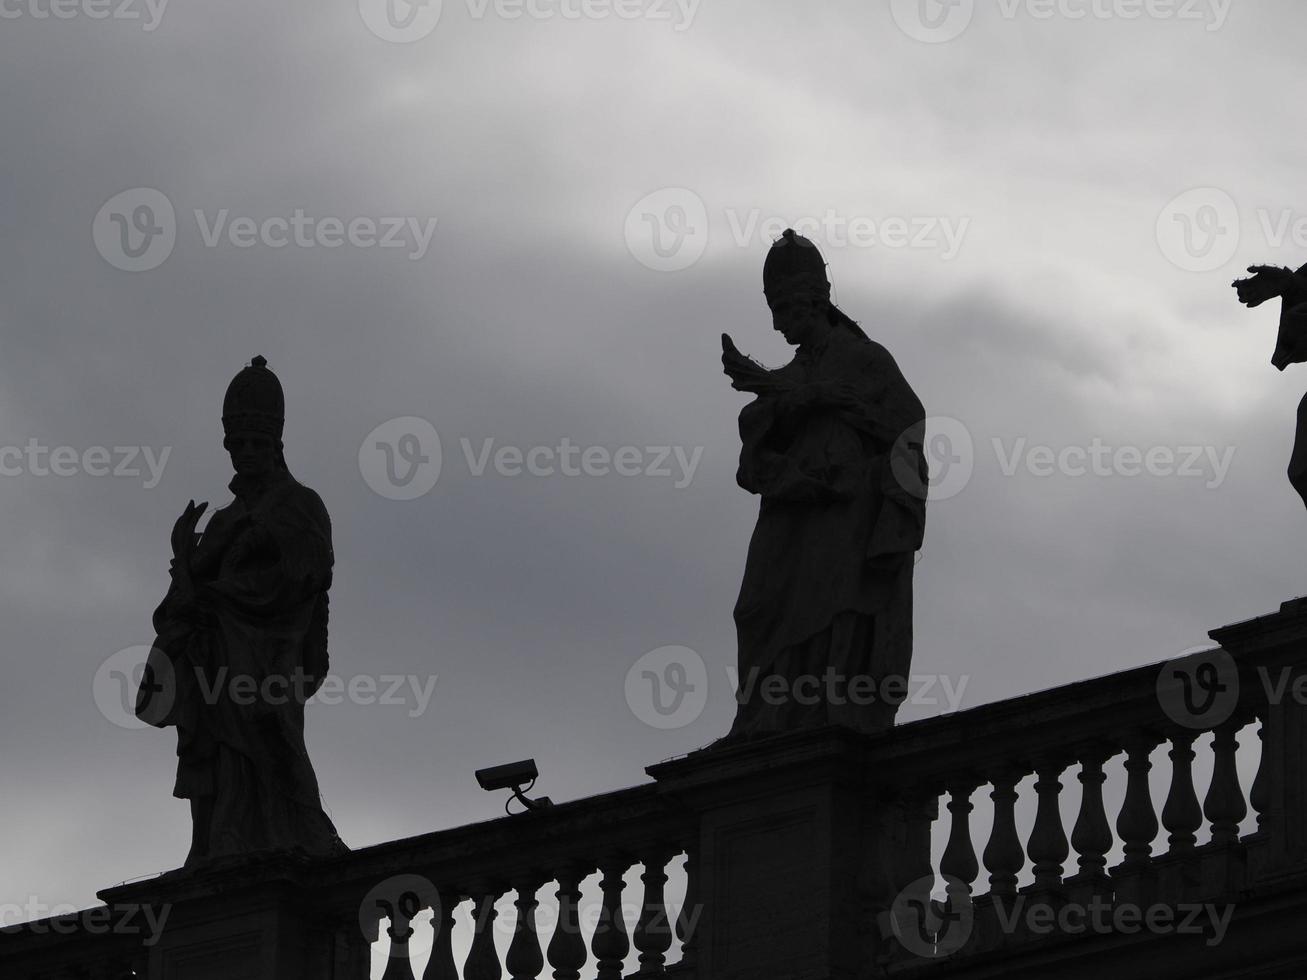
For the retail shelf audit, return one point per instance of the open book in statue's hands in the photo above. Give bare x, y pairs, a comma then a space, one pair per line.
746, 374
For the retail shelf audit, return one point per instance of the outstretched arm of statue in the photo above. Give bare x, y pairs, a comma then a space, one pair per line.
746, 374
1266, 283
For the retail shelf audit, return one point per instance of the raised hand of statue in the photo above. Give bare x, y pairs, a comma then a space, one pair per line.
183, 532
746, 374
1266, 283
183, 546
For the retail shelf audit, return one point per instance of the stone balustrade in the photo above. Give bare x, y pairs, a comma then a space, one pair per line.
823, 854
1210, 845
554, 849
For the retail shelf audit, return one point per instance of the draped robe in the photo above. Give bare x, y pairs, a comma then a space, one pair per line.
1291, 348
827, 587
258, 619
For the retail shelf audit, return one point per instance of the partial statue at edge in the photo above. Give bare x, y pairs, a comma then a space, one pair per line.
833, 446
1271, 282
242, 644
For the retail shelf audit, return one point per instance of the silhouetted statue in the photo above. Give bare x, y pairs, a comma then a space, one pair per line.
243, 631
833, 445
1267, 283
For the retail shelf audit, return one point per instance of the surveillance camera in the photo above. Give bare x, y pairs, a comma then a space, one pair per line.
513, 777
510, 776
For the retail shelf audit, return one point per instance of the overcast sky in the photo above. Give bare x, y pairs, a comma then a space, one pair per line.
1038, 215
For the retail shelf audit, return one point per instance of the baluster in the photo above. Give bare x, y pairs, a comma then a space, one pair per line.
1181, 815
398, 965
1224, 805
918, 811
1092, 835
958, 864
441, 965
687, 920
610, 944
524, 959
653, 931
1048, 847
1003, 855
351, 953
483, 959
1260, 794
1136, 824
567, 952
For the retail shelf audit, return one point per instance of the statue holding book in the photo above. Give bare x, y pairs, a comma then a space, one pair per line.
832, 445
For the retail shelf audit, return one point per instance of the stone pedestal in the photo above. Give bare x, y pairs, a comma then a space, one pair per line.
255, 920
786, 840
1269, 653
